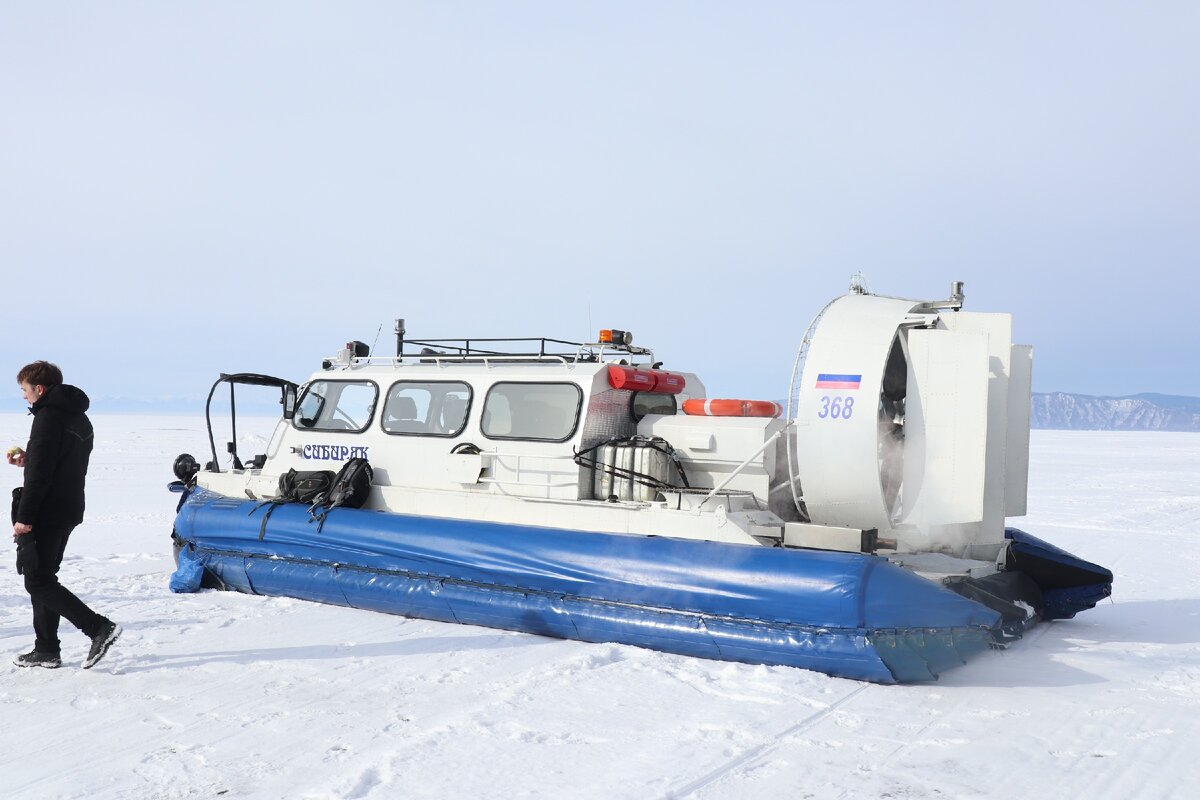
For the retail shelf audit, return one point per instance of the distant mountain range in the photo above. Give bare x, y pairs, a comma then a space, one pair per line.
1139, 412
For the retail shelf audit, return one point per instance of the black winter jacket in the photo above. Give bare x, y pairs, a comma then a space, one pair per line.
56, 459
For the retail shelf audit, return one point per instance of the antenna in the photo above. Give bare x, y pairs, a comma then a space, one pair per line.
377, 331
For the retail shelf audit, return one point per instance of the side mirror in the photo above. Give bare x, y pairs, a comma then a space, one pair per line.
289, 403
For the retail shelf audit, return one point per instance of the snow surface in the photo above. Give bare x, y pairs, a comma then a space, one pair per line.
226, 695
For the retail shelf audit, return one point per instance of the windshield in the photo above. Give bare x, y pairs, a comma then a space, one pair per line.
337, 406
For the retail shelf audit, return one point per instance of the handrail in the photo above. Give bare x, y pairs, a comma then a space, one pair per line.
745, 463
529, 348
451, 359
446, 359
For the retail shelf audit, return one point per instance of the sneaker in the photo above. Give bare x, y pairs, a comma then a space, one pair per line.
35, 659
101, 642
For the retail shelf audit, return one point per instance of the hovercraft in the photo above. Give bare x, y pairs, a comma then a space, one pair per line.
579, 490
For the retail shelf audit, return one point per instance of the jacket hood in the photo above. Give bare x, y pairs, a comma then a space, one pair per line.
65, 398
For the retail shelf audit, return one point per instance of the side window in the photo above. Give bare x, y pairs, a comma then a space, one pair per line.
546, 412
336, 406
644, 403
427, 408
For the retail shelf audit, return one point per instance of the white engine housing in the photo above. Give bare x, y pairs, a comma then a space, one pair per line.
913, 418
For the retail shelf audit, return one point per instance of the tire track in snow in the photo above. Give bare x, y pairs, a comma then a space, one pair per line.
906, 744
756, 753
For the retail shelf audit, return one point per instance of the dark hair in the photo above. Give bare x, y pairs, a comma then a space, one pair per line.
40, 373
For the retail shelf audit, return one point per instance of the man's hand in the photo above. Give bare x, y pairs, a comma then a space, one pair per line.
27, 555
15, 456
20, 529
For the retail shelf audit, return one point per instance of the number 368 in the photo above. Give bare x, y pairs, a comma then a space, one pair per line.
836, 407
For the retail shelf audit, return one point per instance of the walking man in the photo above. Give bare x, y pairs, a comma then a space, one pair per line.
50, 506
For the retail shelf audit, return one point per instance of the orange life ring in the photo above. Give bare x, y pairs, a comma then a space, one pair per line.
700, 407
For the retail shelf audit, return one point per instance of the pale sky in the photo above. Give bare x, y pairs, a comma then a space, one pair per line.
190, 188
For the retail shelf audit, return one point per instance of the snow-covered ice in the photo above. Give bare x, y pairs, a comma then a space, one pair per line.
225, 695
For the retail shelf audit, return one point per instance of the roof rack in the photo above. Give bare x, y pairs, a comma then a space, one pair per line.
519, 347
524, 348
493, 350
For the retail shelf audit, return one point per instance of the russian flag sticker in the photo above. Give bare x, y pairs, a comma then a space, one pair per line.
836, 381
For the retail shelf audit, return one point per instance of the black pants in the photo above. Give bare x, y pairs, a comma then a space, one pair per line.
51, 600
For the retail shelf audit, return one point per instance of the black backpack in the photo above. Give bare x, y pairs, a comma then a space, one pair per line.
295, 487
304, 487
350, 489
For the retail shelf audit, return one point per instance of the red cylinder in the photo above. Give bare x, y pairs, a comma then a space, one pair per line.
668, 382
645, 380
635, 380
